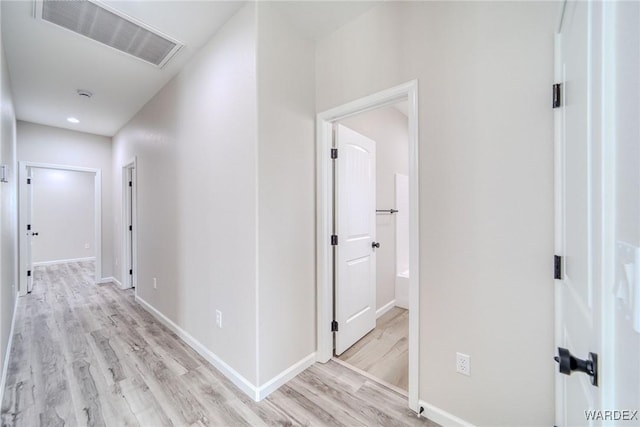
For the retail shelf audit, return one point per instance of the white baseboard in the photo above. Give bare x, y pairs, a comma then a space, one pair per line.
63, 261
286, 375
5, 367
388, 306
251, 390
241, 382
442, 417
113, 280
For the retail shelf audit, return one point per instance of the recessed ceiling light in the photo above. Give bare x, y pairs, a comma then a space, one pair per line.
72, 120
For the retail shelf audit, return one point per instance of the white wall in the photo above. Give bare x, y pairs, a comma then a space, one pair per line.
286, 200
8, 213
63, 215
486, 189
388, 127
46, 144
195, 143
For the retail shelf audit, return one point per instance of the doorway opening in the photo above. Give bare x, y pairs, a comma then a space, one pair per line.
129, 225
60, 218
361, 263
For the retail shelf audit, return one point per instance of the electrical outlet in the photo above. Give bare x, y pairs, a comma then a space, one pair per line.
155, 283
463, 364
219, 319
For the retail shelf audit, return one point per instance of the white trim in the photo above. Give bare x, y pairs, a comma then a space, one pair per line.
385, 308
274, 383
558, 156
441, 416
324, 212
111, 279
5, 365
64, 261
23, 168
241, 382
254, 392
132, 165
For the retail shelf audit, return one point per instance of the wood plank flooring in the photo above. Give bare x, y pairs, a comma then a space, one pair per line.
384, 353
89, 355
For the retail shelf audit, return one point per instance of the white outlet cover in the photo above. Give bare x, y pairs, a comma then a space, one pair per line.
463, 364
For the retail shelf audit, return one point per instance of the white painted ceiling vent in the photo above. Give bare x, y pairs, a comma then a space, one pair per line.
110, 27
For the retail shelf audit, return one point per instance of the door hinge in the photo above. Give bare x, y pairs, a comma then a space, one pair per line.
130, 184
557, 267
29, 273
334, 326
28, 180
131, 228
334, 240
334, 153
131, 271
557, 95
28, 227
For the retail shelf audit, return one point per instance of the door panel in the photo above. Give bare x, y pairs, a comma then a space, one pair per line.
29, 249
578, 297
355, 304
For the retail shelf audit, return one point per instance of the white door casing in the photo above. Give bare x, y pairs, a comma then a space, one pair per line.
24, 210
324, 228
355, 276
129, 225
29, 231
584, 214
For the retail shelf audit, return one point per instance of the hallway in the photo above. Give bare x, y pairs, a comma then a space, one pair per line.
86, 354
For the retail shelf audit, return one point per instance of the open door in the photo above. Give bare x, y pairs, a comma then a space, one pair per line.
29, 230
355, 275
597, 205
578, 287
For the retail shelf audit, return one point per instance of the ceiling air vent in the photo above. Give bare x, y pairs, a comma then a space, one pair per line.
110, 27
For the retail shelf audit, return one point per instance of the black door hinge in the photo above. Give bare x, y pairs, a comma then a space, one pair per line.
131, 228
557, 95
29, 273
28, 227
130, 184
131, 271
334, 153
28, 180
334, 326
334, 240
557, 267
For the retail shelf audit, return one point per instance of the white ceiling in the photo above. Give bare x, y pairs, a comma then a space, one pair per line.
48, 64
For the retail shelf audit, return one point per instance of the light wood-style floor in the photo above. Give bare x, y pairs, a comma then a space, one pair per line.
384, 353
87, 354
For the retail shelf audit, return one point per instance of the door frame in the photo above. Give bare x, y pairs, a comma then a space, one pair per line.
602, 128
130, 168
23, 174
324, 226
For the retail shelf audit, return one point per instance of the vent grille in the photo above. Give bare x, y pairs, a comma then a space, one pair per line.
96, 22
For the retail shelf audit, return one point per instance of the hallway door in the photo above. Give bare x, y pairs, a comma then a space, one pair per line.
355, 275
30, 232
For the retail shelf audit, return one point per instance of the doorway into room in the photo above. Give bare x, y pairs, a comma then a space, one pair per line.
371, 285
368, 246
60, 218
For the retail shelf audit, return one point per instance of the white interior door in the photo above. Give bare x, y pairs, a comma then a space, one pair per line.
129, 225
579, 218
355, 268
30, 230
